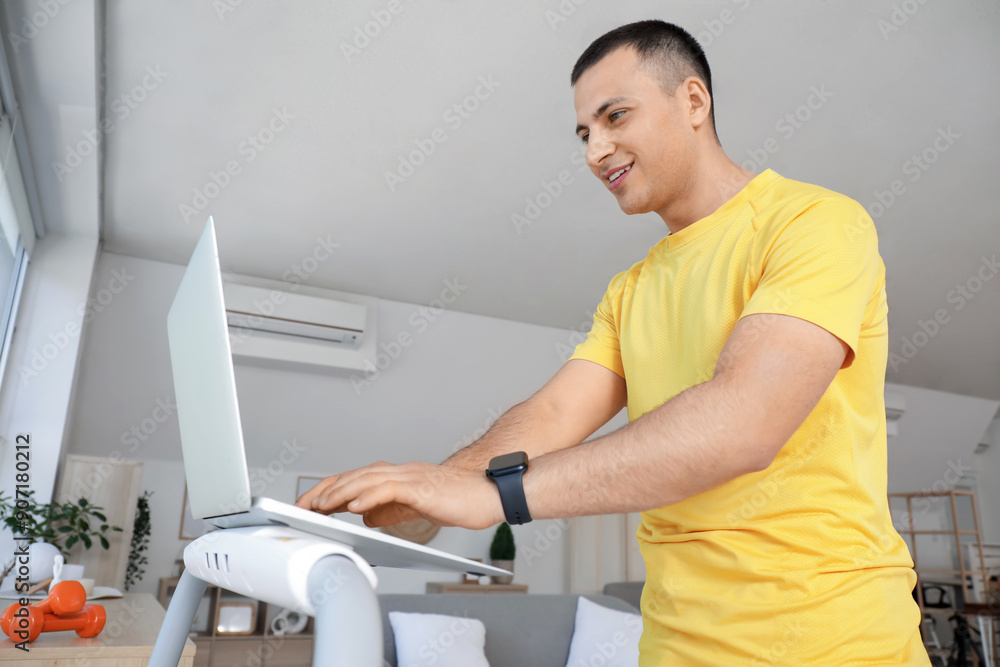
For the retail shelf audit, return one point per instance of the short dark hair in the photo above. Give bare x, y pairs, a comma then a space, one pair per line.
666, 50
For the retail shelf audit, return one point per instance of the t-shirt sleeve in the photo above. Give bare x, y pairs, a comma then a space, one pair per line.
601, 345
820, 266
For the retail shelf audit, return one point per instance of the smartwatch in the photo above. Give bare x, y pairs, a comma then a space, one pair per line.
506, 471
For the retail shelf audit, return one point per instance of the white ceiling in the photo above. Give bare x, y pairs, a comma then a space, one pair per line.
323, 174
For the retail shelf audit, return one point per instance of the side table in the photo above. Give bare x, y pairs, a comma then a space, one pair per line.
133, 622
445, 587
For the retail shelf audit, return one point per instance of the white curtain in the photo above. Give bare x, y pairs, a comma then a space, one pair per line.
603, 550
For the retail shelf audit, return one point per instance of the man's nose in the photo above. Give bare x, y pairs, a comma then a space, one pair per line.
598, 148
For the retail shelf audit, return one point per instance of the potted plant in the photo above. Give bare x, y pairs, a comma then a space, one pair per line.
61, 525
502, 552
140, 542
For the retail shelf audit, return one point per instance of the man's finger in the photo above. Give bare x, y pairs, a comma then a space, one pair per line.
337, 497
305, 500
389, 515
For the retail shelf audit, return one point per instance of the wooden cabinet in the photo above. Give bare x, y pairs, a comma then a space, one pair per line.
260, 647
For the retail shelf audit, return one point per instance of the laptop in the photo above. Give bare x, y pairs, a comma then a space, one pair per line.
215, 462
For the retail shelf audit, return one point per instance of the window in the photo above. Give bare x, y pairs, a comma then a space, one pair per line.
17, 236
13, 265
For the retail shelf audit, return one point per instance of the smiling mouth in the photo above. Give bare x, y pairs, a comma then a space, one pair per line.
617, 178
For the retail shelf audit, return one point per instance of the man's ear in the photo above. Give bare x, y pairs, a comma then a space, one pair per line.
698, 102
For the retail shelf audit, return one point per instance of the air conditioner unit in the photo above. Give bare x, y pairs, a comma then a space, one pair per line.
895, 406
299, 315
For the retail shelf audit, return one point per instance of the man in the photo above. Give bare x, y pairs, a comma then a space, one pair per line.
749, 347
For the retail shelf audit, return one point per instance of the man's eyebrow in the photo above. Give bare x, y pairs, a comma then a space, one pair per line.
601, 109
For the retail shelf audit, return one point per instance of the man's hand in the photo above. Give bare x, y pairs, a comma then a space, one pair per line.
385, 493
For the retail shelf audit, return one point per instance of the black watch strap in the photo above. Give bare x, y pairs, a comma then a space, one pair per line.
515, 506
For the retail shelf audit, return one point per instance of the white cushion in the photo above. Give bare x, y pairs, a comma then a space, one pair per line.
603, 636
439, 640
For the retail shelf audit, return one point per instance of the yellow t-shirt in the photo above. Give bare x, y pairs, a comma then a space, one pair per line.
798, 564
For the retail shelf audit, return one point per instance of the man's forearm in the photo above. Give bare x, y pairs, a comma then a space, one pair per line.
525, 427
682, 448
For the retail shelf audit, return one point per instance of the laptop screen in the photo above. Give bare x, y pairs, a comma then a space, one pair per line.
205, 387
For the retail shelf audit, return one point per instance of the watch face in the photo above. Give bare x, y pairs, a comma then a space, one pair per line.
508, 463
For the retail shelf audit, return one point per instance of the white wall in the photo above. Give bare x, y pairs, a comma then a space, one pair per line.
935, 451
987, 475
38, 381
441, 391
937, 437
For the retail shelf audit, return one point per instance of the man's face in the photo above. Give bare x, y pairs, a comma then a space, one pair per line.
638, 127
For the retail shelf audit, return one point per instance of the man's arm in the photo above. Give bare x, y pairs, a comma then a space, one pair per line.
580, 398
771, 374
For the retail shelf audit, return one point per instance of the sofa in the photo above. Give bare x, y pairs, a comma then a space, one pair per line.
630, 591
521, 630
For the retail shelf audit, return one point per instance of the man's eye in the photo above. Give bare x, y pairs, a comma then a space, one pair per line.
615, 115
583, 137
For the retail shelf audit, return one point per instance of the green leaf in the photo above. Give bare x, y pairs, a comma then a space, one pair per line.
65, 529
104, 542
83, 502
86, 541
71, 541
100, 516
104, 527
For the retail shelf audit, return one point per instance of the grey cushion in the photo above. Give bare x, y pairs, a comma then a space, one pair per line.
521, 629
630, 591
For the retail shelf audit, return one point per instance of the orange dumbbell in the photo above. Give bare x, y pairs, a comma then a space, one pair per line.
16, 620
87, 622
66, 597
64, 609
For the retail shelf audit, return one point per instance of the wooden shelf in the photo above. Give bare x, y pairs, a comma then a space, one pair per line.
289, 650
970, 582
